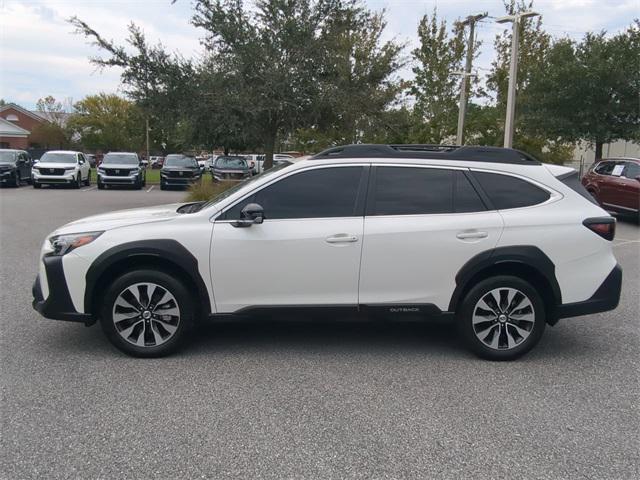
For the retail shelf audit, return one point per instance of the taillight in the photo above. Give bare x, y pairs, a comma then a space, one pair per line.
603, 226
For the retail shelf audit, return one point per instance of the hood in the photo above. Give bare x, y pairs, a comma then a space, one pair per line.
121, 218
55, 165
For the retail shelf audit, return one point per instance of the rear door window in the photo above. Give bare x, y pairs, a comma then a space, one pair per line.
422, 191
506, 191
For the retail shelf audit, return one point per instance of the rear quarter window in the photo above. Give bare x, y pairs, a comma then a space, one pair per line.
507, 192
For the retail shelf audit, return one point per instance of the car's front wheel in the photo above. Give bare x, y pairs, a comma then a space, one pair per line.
146, 313
502, 318
87, 182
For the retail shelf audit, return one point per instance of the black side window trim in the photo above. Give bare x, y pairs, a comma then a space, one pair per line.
361, 196
370, 208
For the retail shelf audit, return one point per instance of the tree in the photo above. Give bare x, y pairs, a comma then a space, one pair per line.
435, 87
589, 89
53, 132
267, 71
108, 123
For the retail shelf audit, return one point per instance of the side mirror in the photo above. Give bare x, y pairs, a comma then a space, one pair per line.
250, 214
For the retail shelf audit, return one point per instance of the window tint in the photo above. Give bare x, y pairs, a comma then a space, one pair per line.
604, 168
465, 197
632, 171
416, 191
326, 192
510, 192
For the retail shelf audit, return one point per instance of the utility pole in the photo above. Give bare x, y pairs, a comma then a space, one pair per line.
462, 110
509, 124
148, 141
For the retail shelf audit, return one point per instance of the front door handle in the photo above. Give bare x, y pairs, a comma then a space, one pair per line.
471, 235
342, 238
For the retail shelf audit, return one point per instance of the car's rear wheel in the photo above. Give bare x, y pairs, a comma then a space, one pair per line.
146, 313
502, 318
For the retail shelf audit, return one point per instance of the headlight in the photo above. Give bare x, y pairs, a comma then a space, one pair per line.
163, 174
63, 244
101, 170
67, 170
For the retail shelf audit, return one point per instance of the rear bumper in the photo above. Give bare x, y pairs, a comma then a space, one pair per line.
606, 298
58, 304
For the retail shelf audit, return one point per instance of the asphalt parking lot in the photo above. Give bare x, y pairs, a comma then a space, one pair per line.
279, 400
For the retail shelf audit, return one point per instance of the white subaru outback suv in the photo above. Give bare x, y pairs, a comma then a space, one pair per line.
488, 237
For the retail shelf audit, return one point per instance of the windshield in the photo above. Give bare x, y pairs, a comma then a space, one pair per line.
50, 157
231, 162
240, 185
180, 161
120, 159
7, 157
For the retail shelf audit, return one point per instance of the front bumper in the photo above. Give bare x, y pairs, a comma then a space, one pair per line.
178, 181
117, 180
8, 176
58, 304
58, 179
606, 298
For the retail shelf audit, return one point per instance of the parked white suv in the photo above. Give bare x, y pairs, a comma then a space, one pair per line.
489, 237
61, 167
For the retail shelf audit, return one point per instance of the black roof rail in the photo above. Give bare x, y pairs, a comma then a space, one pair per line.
431, 152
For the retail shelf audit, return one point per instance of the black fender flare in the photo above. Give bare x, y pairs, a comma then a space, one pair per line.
167, 250
528, 255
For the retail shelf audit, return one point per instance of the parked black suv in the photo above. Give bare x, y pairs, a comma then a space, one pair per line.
15, 166
121, 168
179, 171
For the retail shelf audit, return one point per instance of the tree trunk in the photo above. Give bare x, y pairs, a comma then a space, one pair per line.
598, 149
269, 147
226, 150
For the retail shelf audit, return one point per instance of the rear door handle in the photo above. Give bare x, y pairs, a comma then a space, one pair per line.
471, 235
342, 238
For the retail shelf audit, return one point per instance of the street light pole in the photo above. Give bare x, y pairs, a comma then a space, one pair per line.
509, 124
462, 110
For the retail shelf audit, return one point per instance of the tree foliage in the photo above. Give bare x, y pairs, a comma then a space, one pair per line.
436, 87
588, 89
108, 123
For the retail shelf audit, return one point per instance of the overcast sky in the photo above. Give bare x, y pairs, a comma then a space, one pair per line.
40, 55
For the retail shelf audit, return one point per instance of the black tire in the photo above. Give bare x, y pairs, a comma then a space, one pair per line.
162, 185
36, 184
87, 182
166, 282
78, 182
16, 180
100, 185
138, 184
501, 329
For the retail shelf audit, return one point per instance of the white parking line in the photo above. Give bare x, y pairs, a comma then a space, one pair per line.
626, 243
89, 189
150, 188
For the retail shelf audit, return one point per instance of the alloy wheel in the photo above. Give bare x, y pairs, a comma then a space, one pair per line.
503, 318
146, 314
